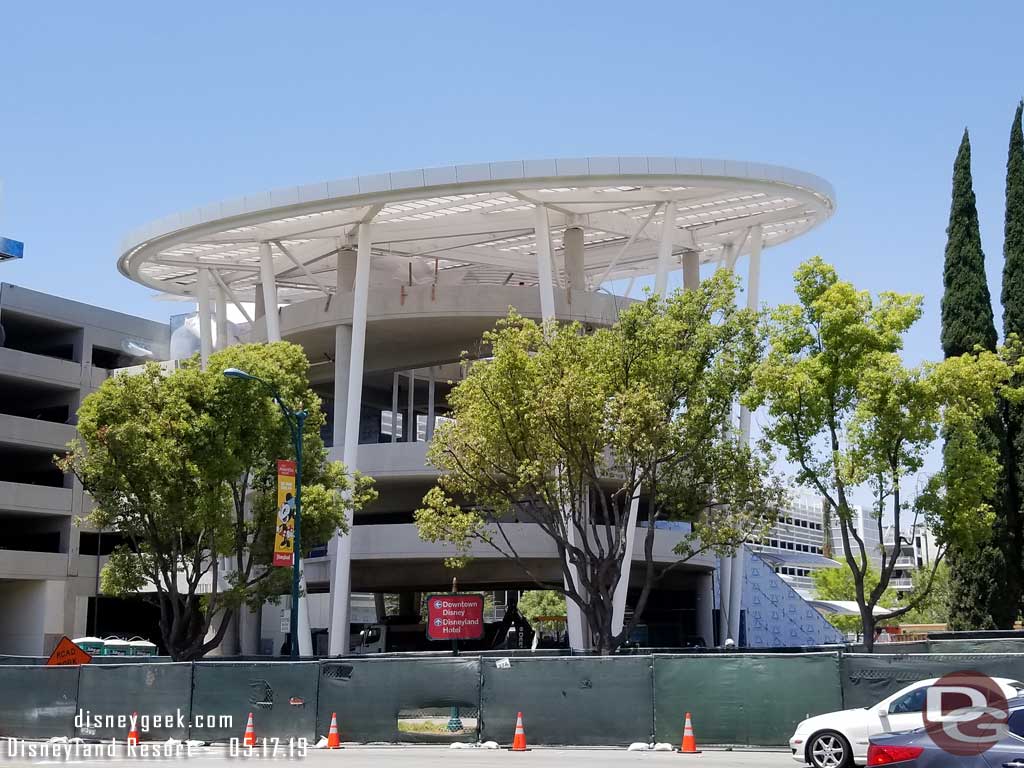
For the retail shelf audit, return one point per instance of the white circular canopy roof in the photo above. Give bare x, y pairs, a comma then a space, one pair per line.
475, 223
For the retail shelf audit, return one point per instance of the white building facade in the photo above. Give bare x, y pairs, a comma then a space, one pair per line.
387, 280
796, 544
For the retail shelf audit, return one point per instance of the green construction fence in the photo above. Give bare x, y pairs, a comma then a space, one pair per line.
569, 700
867, 678
743, 699
369, 695
734, 699
38, 702
281, 695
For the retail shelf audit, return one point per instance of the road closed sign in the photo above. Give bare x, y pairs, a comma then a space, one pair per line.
455, 617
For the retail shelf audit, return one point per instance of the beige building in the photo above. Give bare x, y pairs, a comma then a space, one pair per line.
54, 352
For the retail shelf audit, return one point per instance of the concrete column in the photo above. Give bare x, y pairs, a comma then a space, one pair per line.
305, 638
619, 598
691, 270
576, 621
705, 609
249, 627
691, 280
341, 583
753, 298
724, 597
572, 245
668, 234
205, 331
736, 594
269, 280
738, 562
394, 408
261, 307
430, 406
725, 260
410, 436
222, 319
342, 353
542, 231
346, 270
379, 608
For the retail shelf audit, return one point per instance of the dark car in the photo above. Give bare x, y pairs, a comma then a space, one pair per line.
917, 749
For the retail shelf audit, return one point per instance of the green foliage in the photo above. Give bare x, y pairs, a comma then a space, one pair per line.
986, 585
545, 609
839, 584
183, 466
1013, 238
1013, 330
934, 608
555, 416
849, 414
966, 303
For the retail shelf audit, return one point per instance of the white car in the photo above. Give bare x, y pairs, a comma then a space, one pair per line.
840, 739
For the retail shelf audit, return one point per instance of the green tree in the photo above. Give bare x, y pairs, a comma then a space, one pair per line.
545, 609
1013, 328
1013, 233
183, 466
563, 428
986, 590
839, 584
849, 414
966, 303
934, 609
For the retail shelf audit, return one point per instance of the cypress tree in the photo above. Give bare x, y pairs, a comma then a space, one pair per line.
980, 580
966, 303
1013, 233
1013, 323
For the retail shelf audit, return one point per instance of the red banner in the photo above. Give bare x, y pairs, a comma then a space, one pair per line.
284, 524
455, 617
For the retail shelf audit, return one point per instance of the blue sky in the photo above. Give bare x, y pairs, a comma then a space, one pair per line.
119, 113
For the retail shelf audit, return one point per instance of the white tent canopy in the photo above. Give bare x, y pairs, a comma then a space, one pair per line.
476, 224
845, 608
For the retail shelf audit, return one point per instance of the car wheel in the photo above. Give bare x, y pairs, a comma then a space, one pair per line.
829, 749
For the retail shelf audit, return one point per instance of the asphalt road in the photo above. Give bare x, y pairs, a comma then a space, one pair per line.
434, 757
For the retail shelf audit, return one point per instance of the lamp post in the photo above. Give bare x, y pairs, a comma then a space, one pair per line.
296, 421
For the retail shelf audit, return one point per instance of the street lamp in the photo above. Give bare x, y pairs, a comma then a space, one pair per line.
296, 421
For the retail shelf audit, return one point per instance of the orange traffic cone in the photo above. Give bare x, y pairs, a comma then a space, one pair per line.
519, 740
133, 730
333, 737
249, 739
689, 746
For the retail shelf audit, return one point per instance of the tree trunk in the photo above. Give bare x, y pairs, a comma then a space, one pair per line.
184, 635
867, 620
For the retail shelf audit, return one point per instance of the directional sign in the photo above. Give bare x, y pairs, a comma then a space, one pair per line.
455, 617
67, 654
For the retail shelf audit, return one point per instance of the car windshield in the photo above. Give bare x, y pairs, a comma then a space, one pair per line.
1016, 685
898, 696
